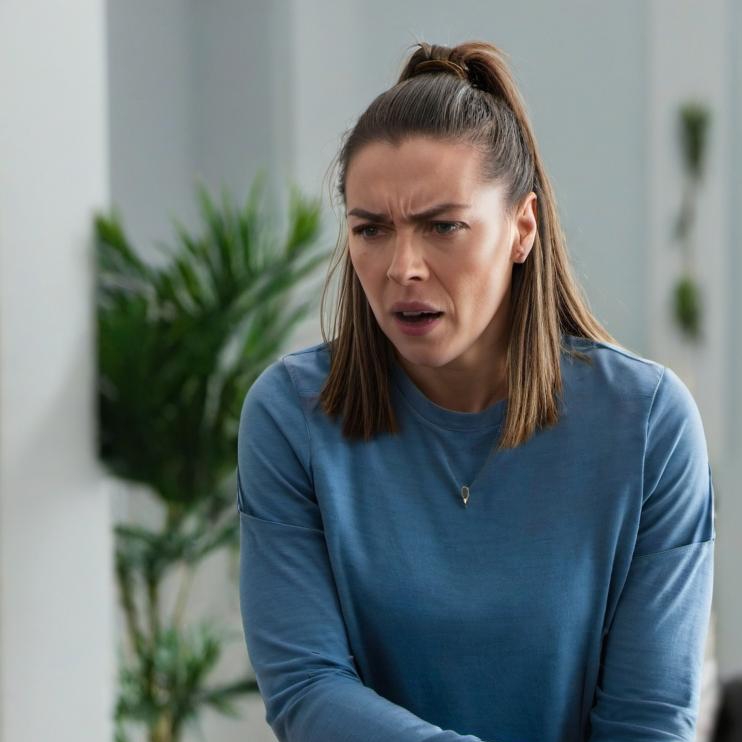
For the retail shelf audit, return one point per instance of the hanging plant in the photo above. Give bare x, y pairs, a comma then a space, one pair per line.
694, 121
687, 306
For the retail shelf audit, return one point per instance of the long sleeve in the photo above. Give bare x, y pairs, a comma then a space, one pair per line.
650, 675
294, 629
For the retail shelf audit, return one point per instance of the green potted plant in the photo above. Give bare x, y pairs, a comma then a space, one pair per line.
694, 121
178, 348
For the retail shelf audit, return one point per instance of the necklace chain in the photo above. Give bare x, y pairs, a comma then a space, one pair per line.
463, 489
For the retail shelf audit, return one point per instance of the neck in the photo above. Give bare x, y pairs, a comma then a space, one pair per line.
460, 390
471, 383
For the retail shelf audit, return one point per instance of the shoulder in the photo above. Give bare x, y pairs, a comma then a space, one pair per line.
625, 387
291, 377
281, 396
274, 461
308, 368
612, 373
273, 414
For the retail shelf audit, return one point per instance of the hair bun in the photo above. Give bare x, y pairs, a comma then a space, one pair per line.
442, 65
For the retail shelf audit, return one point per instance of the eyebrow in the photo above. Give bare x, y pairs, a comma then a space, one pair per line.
420, 217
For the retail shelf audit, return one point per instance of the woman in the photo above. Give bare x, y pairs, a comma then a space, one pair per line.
471, 515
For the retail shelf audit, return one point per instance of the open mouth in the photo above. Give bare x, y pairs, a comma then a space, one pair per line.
417, 318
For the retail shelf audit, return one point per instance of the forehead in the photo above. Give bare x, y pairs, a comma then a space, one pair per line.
413, 173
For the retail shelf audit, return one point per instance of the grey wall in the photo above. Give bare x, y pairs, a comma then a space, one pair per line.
215, 91
150, 110
240, 103
733, 207
199, 92
729, 513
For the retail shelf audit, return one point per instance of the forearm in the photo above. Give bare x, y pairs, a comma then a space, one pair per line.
332, 706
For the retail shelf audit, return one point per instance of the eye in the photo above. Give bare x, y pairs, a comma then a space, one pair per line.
361, 230
442, 229
458, 227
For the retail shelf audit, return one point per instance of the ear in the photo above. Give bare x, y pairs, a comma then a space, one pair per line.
526, 225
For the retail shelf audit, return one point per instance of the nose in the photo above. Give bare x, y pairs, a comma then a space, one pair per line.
408, 262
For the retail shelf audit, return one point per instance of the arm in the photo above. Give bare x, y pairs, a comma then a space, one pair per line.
650, 674
294, 630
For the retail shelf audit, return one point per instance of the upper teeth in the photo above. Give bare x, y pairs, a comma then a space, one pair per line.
414, 314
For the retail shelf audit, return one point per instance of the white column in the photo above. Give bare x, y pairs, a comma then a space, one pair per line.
57, 661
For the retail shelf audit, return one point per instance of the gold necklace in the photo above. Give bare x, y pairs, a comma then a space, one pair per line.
464, 489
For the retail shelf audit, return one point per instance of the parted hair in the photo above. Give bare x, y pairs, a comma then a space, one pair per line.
464, 93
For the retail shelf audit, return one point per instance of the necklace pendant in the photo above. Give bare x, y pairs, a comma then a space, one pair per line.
465, 494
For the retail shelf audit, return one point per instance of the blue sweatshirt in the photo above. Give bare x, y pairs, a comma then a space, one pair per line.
568, 601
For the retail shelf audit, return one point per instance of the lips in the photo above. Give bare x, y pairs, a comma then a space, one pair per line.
418, 315
414, 306
417, 324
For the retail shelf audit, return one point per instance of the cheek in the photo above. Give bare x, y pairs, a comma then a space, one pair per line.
361, 261
360, 267
480, 289
367, 275
371, 271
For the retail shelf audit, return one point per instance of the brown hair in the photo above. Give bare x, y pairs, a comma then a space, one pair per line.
464, 93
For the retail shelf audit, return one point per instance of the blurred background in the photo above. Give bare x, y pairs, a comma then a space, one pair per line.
637, 106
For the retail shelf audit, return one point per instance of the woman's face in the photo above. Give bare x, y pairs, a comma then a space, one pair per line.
422, 227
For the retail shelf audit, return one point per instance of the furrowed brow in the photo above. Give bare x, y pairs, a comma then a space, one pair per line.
420, 217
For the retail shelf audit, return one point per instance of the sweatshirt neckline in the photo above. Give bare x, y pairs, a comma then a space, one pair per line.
491, 416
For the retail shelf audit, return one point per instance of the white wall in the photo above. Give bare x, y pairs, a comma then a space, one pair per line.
57, 662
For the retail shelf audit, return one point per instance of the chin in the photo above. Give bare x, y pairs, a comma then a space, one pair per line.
422, 357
